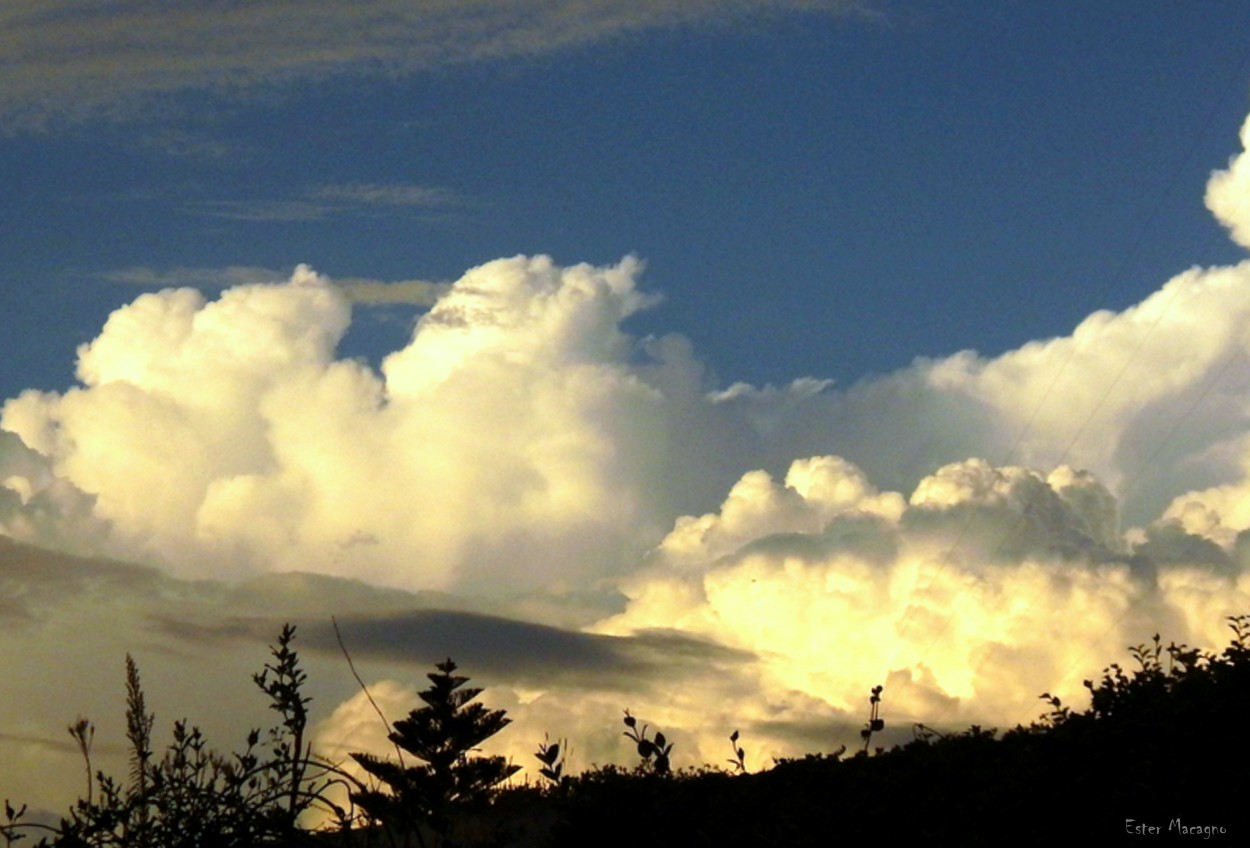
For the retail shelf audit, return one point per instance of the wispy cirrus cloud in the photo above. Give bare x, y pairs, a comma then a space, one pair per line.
338, 200
263, 210
62, 60
375, 194
197, 278
191, 146
359, 290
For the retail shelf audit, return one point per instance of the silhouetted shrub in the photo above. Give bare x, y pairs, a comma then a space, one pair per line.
191, 795
1164, 745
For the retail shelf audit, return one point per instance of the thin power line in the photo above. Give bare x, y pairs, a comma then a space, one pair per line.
1129, 260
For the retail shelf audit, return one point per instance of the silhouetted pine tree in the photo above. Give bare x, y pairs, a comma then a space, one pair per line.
441, 734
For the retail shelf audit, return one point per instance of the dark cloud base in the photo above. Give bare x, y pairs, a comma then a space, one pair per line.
522, 652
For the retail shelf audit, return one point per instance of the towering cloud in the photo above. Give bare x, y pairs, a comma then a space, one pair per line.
510, 435
522, 438
986, 587
969, 531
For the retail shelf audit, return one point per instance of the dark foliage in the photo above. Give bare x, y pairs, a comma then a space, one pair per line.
739, 761
551, 755
441, 735
1162, 746
653, 751
875, 723
192, 796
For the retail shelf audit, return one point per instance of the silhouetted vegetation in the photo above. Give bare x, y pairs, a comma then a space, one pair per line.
875, 723
739, 761
551, 755
194, 796
441, 735
654, 752
1161, 751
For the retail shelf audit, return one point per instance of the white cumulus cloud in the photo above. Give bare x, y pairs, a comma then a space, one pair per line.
969, 531
511, 438
987, 587
1228, 192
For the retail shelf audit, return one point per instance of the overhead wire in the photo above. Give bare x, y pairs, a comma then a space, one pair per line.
1131, 258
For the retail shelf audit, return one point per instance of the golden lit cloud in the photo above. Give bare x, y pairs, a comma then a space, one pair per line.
500, 426
990, 586
969, 531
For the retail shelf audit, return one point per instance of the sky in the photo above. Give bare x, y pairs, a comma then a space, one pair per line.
714, 360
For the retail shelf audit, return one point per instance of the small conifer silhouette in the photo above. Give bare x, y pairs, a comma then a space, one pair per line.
441, 734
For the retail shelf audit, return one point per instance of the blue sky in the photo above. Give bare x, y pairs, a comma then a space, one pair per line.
814, 194
720, 360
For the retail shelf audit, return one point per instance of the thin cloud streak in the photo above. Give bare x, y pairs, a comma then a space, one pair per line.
373, 194
262, 210
60, 60
359, 290
398, 293
210, 279
334, 201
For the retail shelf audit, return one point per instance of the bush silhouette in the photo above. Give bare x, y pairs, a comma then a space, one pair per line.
191, 795
1164, 744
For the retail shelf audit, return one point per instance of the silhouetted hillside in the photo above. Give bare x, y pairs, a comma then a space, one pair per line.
1165, 745
1160, 755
